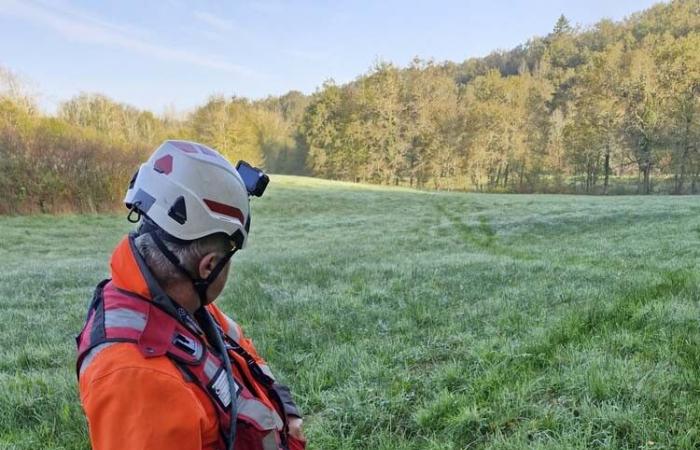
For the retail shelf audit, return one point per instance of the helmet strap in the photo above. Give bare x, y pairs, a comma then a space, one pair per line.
200, 285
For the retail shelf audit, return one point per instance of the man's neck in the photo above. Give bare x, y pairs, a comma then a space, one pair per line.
183, 294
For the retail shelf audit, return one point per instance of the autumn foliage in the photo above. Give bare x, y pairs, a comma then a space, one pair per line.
610, 109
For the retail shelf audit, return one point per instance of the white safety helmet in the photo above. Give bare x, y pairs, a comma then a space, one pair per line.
190, 191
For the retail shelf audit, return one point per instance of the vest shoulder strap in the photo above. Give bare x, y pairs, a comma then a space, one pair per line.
119, 316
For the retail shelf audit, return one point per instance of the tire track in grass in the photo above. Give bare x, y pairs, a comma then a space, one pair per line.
482, 236
537, 354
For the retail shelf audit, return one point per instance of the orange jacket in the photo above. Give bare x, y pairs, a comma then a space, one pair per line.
132, 402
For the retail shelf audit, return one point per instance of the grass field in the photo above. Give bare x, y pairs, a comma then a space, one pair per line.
409, 320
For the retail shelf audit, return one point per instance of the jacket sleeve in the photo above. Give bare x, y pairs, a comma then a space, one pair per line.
138, 408
236, 333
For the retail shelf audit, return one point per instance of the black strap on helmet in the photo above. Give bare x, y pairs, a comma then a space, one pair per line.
201, 285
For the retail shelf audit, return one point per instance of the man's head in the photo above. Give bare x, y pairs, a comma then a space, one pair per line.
198, 257
195, 214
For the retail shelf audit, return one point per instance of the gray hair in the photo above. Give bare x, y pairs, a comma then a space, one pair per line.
189, 254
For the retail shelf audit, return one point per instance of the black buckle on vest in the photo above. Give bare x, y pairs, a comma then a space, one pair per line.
185, 344
253, 366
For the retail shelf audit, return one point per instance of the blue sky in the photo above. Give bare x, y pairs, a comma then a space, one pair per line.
153, 54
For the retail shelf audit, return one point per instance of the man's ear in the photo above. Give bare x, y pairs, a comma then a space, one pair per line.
207, 264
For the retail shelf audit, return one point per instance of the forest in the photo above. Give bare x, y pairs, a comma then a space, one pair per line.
611, 108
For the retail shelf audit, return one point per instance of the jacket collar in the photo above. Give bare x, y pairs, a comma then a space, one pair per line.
126, 273
130, 273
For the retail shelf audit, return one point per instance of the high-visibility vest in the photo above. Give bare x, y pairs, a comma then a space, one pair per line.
118, 316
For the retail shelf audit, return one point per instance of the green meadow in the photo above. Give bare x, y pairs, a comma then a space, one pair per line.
406, 319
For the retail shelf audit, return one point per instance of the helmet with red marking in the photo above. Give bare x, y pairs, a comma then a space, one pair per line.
191, 191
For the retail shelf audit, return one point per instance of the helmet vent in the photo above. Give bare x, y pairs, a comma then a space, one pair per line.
178, 212
164, 165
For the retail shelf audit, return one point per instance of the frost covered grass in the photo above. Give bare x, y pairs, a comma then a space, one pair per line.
409, 320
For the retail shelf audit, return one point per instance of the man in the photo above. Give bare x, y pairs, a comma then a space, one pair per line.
159, 365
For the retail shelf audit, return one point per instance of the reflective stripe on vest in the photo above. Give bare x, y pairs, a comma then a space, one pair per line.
117, 316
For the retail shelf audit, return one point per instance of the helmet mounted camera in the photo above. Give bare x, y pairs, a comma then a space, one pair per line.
255, 179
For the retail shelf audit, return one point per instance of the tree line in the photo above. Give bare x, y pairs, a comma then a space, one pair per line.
613, 108
81, 158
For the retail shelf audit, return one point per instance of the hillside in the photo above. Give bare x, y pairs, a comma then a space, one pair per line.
612, 108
